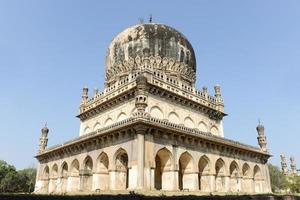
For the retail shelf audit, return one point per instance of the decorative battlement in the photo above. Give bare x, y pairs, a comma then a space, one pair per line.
157, 79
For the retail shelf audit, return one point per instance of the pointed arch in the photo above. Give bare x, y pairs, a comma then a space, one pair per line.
64, 176
96, 126
122, 171
54, 171
108, 121
156, 112
64, 169
86, 130
202, 126
188, 122
46, 172
204, 169
173, 117
258, 181
121, 116
220, 170
74, 176
246, 170
45, 178
256, 172
102, 162
247, 178
214, 130
74, 170
163, 165
102, 177
186, 167
87, 174
234, 177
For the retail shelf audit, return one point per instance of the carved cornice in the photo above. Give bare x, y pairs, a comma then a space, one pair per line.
170, 131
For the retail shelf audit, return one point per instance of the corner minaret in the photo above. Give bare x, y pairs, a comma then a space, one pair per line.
142, 94
262, 140
43, 139
283, 163
293, 165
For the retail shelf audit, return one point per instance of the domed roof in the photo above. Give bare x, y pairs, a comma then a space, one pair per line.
153, 46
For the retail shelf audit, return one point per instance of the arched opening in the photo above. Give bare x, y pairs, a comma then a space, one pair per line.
121, 163
163, 163
258, 180
74, 176
64, 177
220, 175
87, 174
53, 180
247, 179
45, 178
102, 177
204, 168
186, 169
234, 177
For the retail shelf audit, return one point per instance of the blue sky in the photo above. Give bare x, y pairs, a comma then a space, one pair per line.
50, 49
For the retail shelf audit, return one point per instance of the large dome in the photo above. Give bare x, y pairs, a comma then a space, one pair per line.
155, 45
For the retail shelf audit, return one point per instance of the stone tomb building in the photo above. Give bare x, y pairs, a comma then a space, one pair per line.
151, 129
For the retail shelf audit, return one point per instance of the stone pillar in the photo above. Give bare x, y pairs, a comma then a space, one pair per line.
141, 158
212, 182
140, 131
176, 168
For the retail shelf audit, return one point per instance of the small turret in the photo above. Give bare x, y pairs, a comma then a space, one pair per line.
293, 165
262, 140
283, 163
43, 139
85, 94
218, 92
141, 98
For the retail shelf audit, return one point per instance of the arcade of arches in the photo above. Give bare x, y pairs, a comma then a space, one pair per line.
182, 170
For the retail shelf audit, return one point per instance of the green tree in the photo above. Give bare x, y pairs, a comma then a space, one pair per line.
16, 181
27, 178
278, 180
294, 184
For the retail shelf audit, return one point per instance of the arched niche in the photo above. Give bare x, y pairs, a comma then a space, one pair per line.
156, 112
108, 121
214, 130
97, 126
188, 122
202, 126
173, 118
121, 116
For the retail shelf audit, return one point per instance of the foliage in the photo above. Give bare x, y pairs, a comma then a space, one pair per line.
293, 184
16, 181
278, 180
